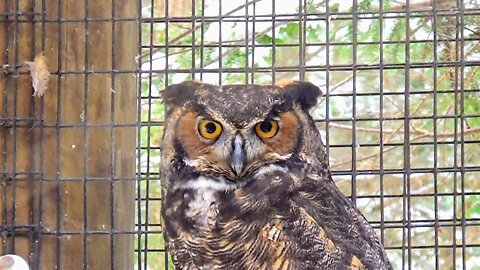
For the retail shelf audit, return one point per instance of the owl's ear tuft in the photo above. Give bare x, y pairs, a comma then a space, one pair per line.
303, 93
179, 94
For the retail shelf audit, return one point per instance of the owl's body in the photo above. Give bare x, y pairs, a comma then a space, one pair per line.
247, 185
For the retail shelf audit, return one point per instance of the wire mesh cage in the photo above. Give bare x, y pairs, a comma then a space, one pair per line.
399, 110
399, 113
67, 132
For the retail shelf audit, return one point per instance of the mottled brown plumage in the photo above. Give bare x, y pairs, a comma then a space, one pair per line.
246, 183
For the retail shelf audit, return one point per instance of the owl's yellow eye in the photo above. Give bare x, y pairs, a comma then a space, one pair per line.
266, 129
209, 129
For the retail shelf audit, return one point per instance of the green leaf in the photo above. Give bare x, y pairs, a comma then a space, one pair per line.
291, 30
418, 84
315, 33
473, 206
264, 40
364, 5
269, 57
335, 7
335, 112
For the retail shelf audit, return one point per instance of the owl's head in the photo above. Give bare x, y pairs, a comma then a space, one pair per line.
229, 133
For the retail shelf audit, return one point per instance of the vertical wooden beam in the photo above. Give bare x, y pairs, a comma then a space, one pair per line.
17, 174
67, 160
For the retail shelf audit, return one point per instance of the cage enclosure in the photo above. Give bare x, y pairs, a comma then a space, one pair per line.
399, 113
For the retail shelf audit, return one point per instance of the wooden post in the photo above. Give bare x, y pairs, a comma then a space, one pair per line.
67, 159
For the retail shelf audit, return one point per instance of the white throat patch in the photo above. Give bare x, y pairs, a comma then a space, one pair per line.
203, 207
206, 183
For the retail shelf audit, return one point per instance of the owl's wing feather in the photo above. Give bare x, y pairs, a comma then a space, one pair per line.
343, 223
297, 241
305, 224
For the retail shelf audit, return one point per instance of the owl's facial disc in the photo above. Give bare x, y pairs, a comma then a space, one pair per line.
217, 148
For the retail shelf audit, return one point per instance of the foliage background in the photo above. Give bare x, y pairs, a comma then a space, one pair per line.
394, 133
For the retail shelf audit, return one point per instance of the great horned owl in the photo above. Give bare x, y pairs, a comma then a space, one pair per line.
246, 183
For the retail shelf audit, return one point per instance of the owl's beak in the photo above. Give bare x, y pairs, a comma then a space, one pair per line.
238, 155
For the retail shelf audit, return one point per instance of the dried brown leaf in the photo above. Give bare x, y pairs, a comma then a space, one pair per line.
39, 73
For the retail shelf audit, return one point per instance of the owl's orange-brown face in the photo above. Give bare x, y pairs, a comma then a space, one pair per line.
228, 133
216, 144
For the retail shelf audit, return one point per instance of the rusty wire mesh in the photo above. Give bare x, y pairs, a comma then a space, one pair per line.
399, 109
400, 113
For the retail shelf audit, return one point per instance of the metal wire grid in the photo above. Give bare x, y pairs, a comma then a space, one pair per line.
37, 15
154, 76
10, 228
149, 243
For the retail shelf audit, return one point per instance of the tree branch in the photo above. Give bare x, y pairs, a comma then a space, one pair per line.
186, 33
